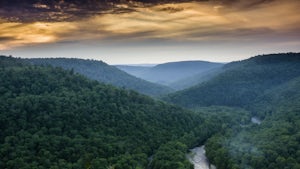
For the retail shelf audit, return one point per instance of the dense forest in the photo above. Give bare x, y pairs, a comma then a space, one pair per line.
240, 83
54, 118
51, 117
272, 144
268, 88
105, 73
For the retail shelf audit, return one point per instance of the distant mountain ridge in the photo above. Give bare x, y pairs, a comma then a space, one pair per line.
241, 82
170, 72
196, 79
105, 73
135, 70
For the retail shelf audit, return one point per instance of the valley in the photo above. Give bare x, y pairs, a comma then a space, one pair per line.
173, 74
149, 84
76, 113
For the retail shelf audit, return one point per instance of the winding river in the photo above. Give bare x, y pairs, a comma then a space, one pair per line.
199, 159
197, 155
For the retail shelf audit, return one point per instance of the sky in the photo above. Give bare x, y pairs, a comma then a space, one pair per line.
149, 31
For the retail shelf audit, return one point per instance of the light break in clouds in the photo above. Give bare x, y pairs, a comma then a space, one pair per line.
150, 31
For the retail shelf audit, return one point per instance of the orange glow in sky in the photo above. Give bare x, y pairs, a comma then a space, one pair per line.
190, 24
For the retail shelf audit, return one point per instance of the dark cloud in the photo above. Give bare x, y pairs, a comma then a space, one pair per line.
242, 4
56, 10
6, 38
172, 9
64, 10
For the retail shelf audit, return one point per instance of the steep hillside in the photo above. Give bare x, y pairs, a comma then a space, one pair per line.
273, 144
241, 82
103, 72
168, 73
284, 97
269, 87
52, 118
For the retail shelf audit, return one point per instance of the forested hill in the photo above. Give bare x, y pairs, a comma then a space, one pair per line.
283, 98
103, 72
9, 61
53, 118
273, 144
168, 73
268, 86
241, 82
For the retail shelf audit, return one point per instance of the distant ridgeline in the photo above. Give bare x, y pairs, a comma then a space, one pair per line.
241, 83
105, 73
269, 87
177, 75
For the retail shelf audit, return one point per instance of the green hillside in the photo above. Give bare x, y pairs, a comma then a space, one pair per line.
241, 82
10, 61
283, 97
274, 144
269, 87
51, 118
103, 72
56, 118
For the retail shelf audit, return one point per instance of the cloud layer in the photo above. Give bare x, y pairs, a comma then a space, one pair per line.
66, 10
147, 22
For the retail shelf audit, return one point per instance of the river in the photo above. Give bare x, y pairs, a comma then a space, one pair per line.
197, 155
199, 159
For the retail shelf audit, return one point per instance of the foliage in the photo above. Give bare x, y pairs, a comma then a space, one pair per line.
171, 155
102, 72
241, 82
269, 87
272, 144
52, 118
11, 62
